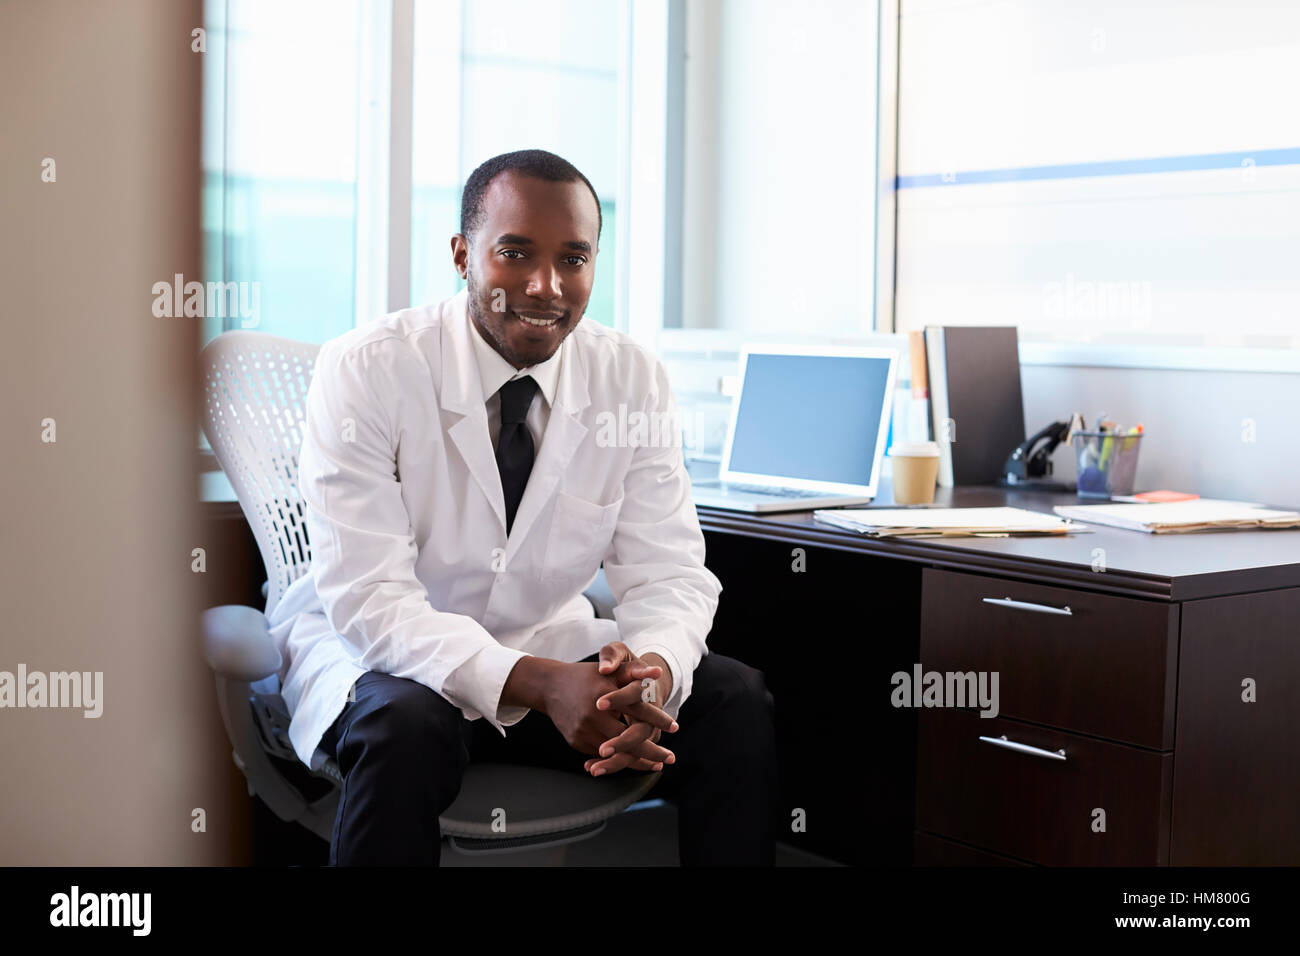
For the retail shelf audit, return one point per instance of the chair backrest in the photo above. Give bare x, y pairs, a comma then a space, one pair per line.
255, 400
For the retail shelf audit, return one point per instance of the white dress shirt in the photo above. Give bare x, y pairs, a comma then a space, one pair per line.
495, 371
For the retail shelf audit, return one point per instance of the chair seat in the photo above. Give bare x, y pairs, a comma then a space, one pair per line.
538, 800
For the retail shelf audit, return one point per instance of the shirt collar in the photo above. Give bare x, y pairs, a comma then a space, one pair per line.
494, 371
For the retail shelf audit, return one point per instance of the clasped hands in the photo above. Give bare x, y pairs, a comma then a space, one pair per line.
634, 689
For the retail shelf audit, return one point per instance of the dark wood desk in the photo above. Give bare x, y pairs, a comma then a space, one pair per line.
1141, 685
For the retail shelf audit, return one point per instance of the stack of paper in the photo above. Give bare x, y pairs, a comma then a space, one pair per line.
943, 522
1172, 517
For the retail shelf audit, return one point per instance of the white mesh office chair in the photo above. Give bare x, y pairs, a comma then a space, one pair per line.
255, 389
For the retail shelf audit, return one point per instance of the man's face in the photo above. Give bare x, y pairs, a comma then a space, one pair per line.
531, 264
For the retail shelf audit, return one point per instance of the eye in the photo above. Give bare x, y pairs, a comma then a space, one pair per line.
512, 253
575, 260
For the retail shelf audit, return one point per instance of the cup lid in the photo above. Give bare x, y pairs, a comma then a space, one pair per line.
914, 449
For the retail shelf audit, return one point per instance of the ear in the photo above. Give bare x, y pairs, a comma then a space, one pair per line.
460, 254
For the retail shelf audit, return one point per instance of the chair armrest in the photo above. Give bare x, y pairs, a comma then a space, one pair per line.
237, 643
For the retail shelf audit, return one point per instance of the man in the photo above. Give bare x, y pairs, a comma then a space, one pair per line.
466, 469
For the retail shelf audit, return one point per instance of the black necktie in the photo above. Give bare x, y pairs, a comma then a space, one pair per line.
514, 443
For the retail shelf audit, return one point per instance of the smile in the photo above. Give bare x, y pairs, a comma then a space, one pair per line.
538, 320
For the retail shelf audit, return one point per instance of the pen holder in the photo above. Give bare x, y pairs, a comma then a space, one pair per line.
1107, 463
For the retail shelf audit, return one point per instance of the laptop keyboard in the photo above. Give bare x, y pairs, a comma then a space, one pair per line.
774, 492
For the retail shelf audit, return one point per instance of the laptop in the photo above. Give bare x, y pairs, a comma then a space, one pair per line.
808, 430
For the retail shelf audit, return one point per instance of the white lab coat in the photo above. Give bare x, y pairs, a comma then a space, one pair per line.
412, 573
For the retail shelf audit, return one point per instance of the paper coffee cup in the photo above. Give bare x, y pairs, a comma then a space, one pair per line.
916, 468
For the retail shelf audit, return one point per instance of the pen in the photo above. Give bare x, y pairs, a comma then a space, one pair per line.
1106, 444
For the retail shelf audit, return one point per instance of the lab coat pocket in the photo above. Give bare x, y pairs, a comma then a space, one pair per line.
580, 532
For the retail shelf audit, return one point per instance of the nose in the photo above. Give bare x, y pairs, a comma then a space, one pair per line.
544, 283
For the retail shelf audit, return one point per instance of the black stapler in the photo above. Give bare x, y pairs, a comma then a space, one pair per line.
1031, 463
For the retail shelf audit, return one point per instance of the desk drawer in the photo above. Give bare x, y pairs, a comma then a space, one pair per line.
1106, 668
1038, 808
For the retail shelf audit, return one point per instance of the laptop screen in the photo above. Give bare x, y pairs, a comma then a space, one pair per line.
811, 417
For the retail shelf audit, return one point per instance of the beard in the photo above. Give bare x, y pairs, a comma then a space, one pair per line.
495, 323
487, 319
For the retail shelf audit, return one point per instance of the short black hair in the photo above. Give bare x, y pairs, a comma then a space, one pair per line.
537, 163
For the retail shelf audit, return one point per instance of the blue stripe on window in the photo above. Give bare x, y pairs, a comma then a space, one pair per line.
1115, 167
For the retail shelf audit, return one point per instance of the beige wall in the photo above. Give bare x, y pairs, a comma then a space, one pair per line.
98, 526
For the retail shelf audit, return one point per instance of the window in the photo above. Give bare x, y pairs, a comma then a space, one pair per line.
299, 192
781, 173
492, 76
1119, 181
779, 207
280, 162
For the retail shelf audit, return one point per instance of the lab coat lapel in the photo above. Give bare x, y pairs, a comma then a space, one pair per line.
462, 393
564, 433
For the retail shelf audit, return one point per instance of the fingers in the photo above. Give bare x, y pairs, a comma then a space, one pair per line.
617, 660
639, 763
628, 700
614, 764
634, 747
634, 672
611, 655
638, 671
600, 766
596, 730
636, 740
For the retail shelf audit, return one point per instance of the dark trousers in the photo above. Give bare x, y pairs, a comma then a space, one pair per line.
402, 749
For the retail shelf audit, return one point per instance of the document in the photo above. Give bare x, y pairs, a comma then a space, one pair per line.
944, 522
1202, 514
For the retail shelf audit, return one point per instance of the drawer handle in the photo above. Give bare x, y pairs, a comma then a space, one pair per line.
1027, 606
1023, 748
